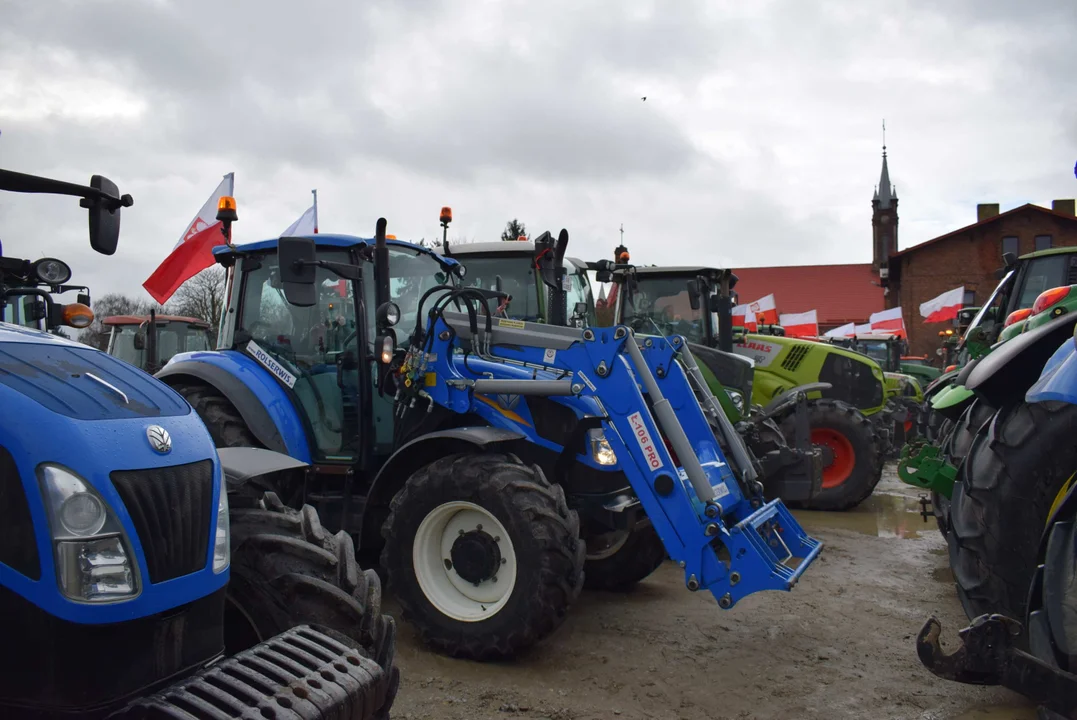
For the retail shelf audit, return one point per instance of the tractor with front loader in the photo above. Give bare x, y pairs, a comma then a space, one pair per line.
487, 465
850, 412
130, 586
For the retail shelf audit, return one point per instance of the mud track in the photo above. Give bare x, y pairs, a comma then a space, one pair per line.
839, 646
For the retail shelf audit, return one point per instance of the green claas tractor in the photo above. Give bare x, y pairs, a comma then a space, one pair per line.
790, 469
851, 419
1033, 290
149, 341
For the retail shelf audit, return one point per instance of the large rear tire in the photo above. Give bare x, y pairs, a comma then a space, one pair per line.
483, 555
287, 570
225, 424
848, 439
1015, 469
619, 561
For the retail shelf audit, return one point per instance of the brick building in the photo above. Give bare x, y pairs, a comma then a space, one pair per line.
969, 256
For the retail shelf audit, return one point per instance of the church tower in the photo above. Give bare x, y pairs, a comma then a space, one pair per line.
884, 217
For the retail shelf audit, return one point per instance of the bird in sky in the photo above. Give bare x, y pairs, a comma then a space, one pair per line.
644, 98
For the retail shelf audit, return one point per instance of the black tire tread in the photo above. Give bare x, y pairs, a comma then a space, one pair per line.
642, 553
554, 528
225, 424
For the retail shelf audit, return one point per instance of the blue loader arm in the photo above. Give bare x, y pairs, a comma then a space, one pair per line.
726, 537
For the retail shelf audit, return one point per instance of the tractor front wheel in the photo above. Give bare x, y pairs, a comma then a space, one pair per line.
483, 555
287, 570
618, 561
1017, 467
851, 462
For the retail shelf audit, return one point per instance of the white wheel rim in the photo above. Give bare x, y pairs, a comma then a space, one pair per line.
446, 590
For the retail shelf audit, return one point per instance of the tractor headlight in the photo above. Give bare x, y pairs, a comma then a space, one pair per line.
221, 542
93, 563
737, 398
601, 451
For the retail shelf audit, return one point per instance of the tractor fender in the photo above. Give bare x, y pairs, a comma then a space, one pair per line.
413, 455
264, 406
1014, 366
777, 406
242, 464
939, 383
1058, 381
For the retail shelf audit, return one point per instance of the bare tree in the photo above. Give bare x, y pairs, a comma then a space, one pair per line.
202, 297
106, 306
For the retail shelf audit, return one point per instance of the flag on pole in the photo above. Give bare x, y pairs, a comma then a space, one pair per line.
888, 321
864, 329
847, 330
765, 310
194, 251
805, 324
944, 307
745, 318
307, 224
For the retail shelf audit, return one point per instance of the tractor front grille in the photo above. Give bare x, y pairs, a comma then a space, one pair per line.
172, 510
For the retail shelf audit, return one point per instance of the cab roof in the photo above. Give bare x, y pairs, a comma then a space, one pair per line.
139, 319
326, 240
522, 247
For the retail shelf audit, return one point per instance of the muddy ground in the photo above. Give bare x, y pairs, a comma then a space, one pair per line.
840, 645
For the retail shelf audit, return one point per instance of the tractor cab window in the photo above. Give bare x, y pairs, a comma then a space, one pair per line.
877, 350
1044, 273
661, 306
122, 344
518, 278
314, 347
577, 292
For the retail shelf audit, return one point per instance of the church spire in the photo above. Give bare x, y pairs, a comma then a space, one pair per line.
885, 193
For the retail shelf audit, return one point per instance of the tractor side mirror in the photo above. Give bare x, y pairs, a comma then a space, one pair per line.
693, 294
104, 222
714, 303
297, 275
140, 340
1009, 259
580, 309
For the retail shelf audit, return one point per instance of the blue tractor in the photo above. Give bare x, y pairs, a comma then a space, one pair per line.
478, 483
128, 585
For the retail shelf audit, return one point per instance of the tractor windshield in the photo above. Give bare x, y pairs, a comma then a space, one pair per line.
1043, 273
518, 278
172, 338
877, 350
661, 305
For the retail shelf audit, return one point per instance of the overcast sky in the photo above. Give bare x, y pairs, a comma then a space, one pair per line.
759, 141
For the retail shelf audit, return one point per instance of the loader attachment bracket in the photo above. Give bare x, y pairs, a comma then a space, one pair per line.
921, 466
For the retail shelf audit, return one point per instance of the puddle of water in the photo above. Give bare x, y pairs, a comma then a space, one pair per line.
999, 712
943, 575
882, 515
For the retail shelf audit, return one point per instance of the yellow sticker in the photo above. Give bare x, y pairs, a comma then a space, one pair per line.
506, 322
430, 379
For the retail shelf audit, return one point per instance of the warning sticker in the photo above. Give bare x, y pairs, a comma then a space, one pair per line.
509, 323
549, 355
270, 364
639, 431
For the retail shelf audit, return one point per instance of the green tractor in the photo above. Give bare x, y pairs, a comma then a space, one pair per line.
1033, 290
851, 415
790, 467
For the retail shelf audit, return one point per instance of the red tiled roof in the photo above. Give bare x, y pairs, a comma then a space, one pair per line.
988, 221
838, 293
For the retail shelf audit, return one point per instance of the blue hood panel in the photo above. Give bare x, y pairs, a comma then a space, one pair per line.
70, 379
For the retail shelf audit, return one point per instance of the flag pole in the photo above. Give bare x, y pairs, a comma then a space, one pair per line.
315, 193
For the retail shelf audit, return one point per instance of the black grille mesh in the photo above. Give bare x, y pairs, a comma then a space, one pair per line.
172, 509
18, 546
795, 357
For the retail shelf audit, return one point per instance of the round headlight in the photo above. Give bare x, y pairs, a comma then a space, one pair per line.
737, 398
388, 314
461, 271
82, 514
51, 271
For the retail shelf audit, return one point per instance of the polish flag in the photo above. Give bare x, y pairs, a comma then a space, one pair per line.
765, 310
944, 307
194, 251
804, 324
864, 329
888, 321
307, 224
745, 318
847, 330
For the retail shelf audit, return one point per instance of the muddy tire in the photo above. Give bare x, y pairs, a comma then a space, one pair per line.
856, 466
483, 555
287, 570
621, 564
1017, 464
225, 424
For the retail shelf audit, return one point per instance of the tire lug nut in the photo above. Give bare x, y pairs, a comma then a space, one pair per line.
497, 538
494, 578
504, 561
461, 532
448, 564
479, 526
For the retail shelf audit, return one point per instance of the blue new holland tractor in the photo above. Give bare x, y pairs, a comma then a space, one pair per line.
129, 587
485, 466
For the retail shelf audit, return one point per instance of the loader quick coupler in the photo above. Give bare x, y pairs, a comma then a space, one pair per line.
921, 466
712, 521
988, 656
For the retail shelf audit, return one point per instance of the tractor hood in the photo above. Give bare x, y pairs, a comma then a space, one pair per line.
77, 381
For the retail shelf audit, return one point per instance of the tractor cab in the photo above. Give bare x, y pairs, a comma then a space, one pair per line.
150, 341
674, 301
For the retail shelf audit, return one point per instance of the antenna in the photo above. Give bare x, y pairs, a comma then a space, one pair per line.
884, 136
622, 233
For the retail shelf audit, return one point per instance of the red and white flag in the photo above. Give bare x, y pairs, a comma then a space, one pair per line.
888, 321
847, 330
194, 251
864, 329
745, 318
307, 224
944, 307
766, 312
803, 324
